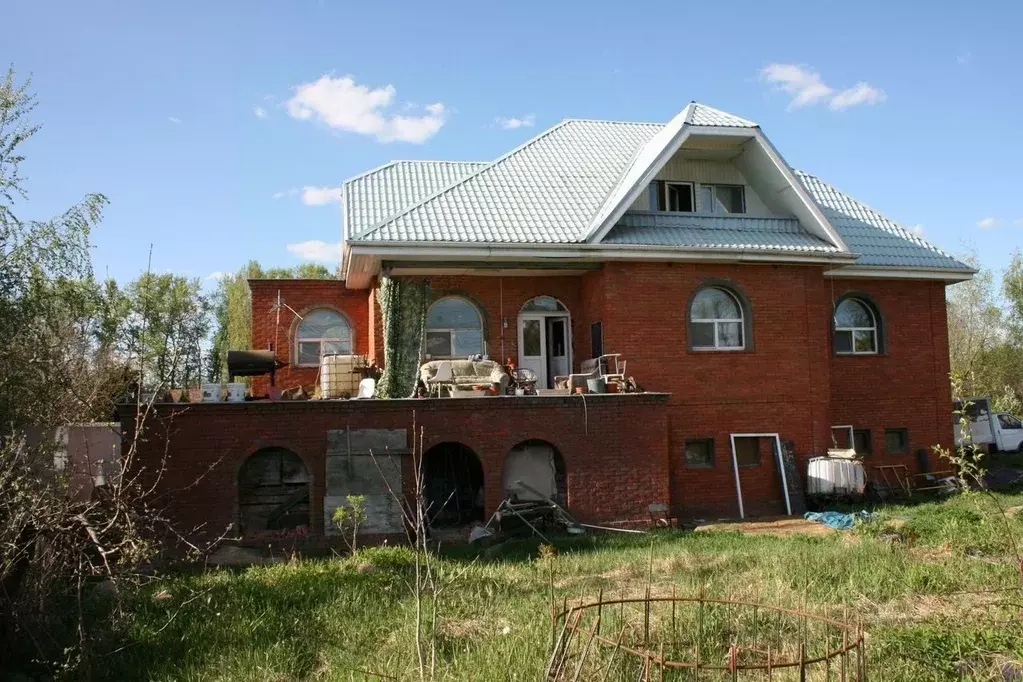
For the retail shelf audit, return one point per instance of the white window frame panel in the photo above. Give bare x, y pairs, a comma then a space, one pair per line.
452, 332
320, 340
720, 320
781, 467
667, 196
712, 209
853, 330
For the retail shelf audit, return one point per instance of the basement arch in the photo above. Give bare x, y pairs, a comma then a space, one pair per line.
273, 492
539, 465
453, 482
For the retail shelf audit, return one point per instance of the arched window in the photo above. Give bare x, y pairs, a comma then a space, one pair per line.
856, 328
454, 329
322, 332
716, 321
543, 304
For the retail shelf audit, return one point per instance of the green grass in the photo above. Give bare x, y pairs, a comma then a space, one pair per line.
325, 619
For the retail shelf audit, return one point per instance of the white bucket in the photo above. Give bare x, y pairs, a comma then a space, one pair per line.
212, 393
236, 392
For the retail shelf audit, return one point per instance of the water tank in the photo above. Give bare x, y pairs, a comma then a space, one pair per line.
835, 477
340, 375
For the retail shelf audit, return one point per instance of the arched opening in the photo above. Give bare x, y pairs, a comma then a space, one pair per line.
545, 339
273, 492
541, 470
453, 482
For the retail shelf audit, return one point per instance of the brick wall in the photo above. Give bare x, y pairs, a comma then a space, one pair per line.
303, 295
614, 447
790, 382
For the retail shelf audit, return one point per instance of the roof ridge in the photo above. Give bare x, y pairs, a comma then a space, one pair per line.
475, 163
611, 120
521, 147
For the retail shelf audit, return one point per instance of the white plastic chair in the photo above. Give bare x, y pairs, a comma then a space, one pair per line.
445, 376
367, 387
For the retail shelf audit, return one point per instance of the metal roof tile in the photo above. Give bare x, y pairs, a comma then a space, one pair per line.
702, 115
878, 240
739, 232
383, 192
550, 188
545, 191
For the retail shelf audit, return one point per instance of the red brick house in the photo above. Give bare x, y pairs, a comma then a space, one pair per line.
745, 296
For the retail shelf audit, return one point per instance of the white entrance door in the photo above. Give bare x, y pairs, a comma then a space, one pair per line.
533, 346
557, 346
544, 346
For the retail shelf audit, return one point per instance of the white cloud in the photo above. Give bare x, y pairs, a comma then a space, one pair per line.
174, 120
342, 104
260, 112
527, 121
277, 195
861, 93
917, 230
317, 251
1018, 222
988, 223
318, 196
807, 88
218, 275
964, 59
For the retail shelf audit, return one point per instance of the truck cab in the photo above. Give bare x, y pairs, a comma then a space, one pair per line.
1008, 432
993, 431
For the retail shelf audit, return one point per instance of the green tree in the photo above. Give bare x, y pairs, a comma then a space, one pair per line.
47, 292
232, 308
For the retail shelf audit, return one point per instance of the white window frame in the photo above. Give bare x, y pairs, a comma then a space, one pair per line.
853, 330
692, 195
320, 340
452, 332
719, 320
713, 198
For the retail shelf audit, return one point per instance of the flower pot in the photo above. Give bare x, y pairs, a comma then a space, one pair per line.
598, 385
580, 390
612, 387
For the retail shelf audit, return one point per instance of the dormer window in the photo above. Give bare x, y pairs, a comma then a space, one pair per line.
722, 199
676, 197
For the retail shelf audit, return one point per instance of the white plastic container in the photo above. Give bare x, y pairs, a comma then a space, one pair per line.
212, 393
236, 392
832, 476
340, 376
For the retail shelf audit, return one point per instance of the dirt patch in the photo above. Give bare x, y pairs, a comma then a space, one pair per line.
777, 527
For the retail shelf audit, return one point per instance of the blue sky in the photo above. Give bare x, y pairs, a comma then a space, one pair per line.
203, 122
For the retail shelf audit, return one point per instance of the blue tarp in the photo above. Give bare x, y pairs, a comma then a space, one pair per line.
838, 520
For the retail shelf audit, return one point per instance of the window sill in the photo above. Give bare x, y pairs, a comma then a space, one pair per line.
720, 350
700, 467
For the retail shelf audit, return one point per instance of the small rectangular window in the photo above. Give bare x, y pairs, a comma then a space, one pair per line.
438, 344
678, 197
896, 441
728, 199
309, 353
700, 453
862, 442
747, 451
722, 199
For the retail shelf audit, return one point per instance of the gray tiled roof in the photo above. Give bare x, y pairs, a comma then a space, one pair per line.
383, 192
549, 190
878, 240
715, 232
545, 191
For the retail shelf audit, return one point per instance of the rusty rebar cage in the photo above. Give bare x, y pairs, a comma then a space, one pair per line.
669, 637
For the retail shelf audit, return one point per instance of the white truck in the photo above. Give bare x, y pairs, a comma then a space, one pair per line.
997, 431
